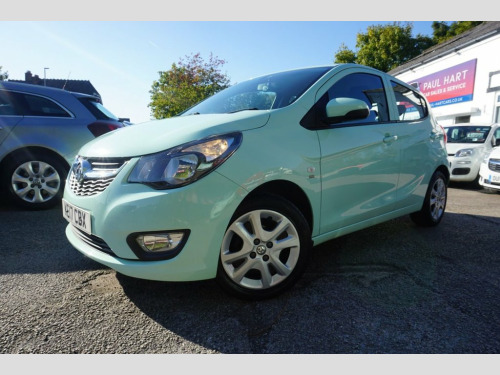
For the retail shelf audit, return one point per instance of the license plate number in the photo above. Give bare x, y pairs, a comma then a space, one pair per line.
495, 178
77, 217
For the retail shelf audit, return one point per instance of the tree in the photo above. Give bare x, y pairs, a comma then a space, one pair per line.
3, 75
186, 83
442, 31
344, 55
385, 47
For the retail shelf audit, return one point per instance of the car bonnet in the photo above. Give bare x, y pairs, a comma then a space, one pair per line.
156, 136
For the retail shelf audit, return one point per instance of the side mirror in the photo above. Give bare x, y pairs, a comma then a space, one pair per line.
346, 109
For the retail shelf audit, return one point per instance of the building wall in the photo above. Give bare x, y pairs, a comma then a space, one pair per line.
455, 94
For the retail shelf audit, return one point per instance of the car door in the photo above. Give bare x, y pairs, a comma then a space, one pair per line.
359, 159
416, 136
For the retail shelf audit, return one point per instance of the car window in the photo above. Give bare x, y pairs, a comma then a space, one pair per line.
6, 106
97, 109
34, 105
267, 92
411, 105
467, 134
497, 134
366, 87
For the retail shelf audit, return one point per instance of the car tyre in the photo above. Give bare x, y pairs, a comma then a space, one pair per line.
434, 206
34, 180
265, 248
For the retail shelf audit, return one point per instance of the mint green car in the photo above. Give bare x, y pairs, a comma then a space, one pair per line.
241, 186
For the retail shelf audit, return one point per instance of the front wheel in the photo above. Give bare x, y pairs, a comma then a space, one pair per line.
265, 248
434, 203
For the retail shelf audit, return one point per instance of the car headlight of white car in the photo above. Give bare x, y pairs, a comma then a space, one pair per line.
464, 152
184, 164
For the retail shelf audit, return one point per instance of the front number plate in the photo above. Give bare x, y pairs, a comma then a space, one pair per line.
77, 217
495, 178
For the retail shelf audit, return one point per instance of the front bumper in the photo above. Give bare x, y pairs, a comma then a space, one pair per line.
488, 178
204, 208
464, 169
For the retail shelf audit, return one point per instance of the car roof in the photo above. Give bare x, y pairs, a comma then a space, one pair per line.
41, 90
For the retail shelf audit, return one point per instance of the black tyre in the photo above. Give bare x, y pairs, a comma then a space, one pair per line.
34, 181
265, 249
434, 206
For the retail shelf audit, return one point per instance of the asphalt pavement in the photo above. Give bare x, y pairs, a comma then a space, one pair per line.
393, 288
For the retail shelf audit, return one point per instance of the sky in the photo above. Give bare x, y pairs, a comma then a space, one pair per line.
122, 59
121, 47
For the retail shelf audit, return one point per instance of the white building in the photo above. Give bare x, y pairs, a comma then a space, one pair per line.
460, 77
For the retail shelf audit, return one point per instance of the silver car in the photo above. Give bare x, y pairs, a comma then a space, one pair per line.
41, 130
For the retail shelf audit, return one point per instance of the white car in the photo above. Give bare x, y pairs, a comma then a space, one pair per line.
467, 146
489, 174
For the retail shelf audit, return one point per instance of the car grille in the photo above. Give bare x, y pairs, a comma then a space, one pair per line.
494, 165
103, 171
94, 241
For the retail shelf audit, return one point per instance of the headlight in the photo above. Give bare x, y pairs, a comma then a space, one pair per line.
464, 152
184, 164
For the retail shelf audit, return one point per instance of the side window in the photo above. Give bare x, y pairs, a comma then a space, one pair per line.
7, 107
366, 87
40, 106
496, 139
411, 105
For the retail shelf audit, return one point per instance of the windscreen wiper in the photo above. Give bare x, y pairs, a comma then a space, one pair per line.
245, 109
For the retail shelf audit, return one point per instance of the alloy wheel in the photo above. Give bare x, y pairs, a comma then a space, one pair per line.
438, 199
260, 249
35, 181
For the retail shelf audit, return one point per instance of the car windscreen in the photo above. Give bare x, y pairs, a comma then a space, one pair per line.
467, 134
97, 109
262, 93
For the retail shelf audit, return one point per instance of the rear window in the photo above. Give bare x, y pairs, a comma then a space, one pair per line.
97, 109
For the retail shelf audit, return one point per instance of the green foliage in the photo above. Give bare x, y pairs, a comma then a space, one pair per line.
442, 31
3, 75
344, 55
385, 47
188, 82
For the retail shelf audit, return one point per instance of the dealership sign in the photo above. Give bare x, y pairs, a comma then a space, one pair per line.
449, 86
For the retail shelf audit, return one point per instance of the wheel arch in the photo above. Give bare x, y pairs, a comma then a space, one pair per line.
288, 190
444, 170
32, 150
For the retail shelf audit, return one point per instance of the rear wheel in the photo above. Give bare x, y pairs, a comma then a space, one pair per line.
34, 180
434, 203
265, 248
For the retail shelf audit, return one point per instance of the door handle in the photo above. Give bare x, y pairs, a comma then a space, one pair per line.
390, 138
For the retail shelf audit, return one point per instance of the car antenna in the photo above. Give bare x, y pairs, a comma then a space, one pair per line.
66, 80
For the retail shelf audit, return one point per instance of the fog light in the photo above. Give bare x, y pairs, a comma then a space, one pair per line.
159, 242
157, 245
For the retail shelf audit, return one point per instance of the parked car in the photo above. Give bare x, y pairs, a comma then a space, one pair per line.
467, 146
489, 174
41, 130
242, 185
